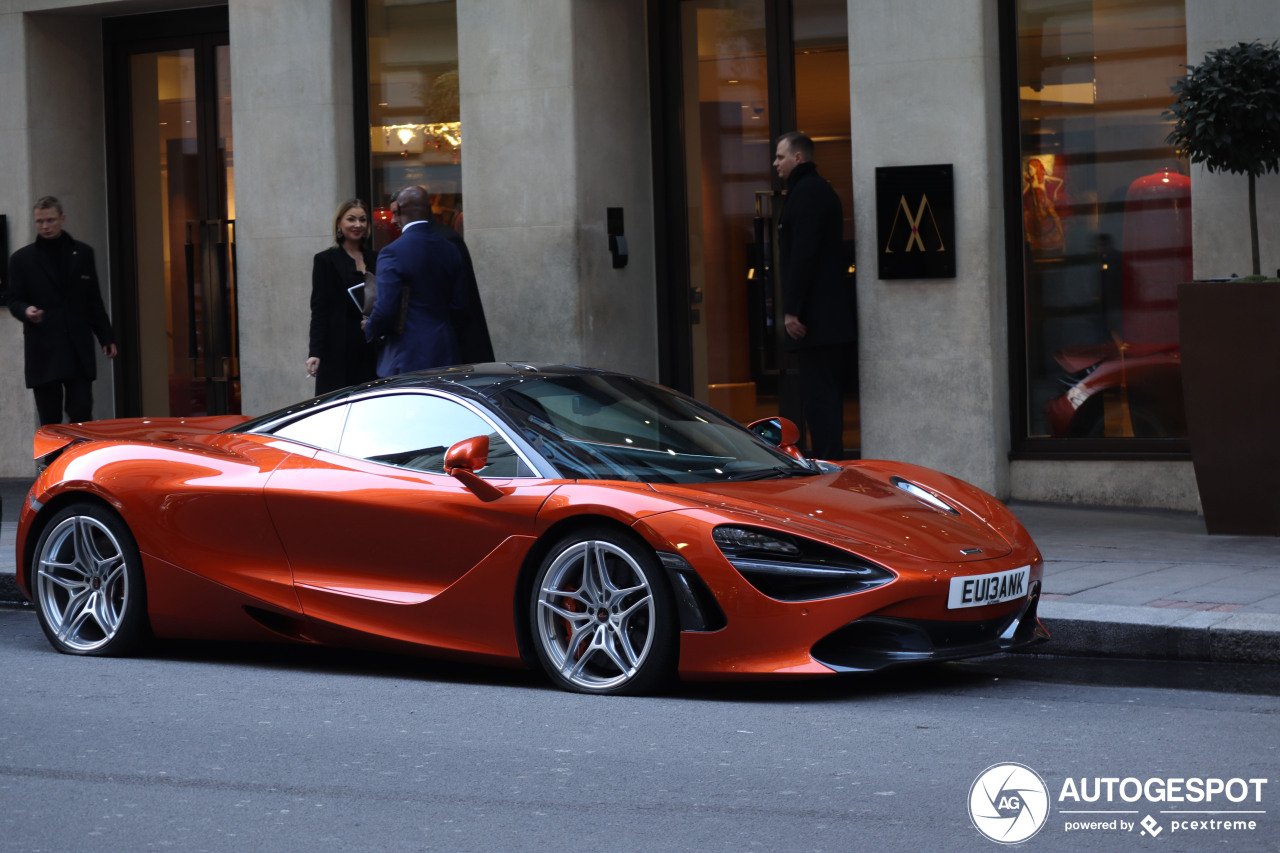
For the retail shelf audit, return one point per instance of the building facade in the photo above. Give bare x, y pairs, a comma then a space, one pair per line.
202, 152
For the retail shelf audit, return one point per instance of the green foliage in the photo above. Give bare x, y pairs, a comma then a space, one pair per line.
1227, 110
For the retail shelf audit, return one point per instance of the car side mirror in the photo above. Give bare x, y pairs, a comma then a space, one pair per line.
781, 432
464, 459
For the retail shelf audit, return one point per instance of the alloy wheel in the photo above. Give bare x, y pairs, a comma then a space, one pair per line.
601, 620
84, 585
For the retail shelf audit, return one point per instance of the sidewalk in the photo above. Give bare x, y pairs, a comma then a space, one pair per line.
1144, 584
1151, 584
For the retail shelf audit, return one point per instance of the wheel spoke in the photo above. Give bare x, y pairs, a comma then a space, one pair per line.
609, 641
70, 584
105, 614
604, 585
625, 615
78, 609
114, 576
574, 616
595, 576
599, 645
86, 549
624, 649
572, 667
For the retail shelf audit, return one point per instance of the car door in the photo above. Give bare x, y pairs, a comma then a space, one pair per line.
381, 540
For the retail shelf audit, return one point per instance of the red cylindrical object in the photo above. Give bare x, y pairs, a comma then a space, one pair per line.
1157, 254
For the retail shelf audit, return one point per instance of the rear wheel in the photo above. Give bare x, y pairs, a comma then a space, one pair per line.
602, 614
88, 583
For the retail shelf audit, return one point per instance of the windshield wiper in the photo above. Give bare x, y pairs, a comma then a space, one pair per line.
775, 473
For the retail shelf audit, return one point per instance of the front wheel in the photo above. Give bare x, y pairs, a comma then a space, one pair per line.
88, 583
602, 614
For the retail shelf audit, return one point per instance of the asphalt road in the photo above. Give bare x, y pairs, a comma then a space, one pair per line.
290, 749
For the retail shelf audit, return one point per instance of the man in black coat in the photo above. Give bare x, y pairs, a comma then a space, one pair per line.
53, 290
817, 295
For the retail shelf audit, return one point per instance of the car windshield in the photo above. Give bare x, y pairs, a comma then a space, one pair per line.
610, 427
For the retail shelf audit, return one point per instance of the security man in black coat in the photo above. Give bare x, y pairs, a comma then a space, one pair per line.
53, 290
817, 296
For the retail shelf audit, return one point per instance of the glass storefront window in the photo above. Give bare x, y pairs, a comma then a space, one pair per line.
1106, 218
415, 135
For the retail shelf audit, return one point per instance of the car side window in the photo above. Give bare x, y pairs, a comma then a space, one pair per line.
321, 429
416, 430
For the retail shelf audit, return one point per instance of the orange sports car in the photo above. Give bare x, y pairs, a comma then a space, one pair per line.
607, 529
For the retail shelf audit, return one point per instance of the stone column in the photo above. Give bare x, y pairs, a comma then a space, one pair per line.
291, 95
934, 374
555, 126
52, 128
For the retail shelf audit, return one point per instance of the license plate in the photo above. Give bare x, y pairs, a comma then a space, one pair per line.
979, 590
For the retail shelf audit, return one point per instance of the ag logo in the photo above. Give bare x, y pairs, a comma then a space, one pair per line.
1008, 803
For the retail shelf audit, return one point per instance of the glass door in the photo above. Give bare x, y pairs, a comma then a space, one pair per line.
175, 219
727, 132
749, 71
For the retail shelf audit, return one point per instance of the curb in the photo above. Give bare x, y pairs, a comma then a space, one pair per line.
1148, 633
10, 595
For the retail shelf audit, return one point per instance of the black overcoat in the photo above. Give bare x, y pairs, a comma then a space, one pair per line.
346, 358
816, 286
59, 347
474, 344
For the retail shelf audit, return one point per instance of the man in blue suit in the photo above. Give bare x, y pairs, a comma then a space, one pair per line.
430, 267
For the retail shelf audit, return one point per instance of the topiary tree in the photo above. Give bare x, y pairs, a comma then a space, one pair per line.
1227, 116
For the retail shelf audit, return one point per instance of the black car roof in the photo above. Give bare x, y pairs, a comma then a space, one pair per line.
492, 373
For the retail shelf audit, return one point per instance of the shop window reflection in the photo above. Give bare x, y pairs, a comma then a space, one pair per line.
415, 132
1105, 218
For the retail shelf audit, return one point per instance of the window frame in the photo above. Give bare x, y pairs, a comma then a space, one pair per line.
532, 464
523, 462
1023, 445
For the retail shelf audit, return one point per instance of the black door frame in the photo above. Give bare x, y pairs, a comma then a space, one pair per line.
204, 29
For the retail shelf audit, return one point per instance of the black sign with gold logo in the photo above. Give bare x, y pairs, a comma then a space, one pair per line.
915, 222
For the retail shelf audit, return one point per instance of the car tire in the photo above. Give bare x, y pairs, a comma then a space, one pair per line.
87, 583
602, 614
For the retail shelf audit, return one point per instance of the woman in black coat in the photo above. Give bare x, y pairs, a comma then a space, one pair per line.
338, 354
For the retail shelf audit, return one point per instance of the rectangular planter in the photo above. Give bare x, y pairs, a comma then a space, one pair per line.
1230, 332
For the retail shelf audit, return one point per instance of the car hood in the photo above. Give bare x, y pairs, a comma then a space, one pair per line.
856, 505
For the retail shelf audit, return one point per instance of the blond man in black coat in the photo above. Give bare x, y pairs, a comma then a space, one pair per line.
53, 290
817, 295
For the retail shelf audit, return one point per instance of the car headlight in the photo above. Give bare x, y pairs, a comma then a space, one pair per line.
789, 568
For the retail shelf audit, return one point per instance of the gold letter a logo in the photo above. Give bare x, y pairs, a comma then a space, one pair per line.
914, 221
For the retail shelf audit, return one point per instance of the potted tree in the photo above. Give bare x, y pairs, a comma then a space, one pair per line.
1226, 115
